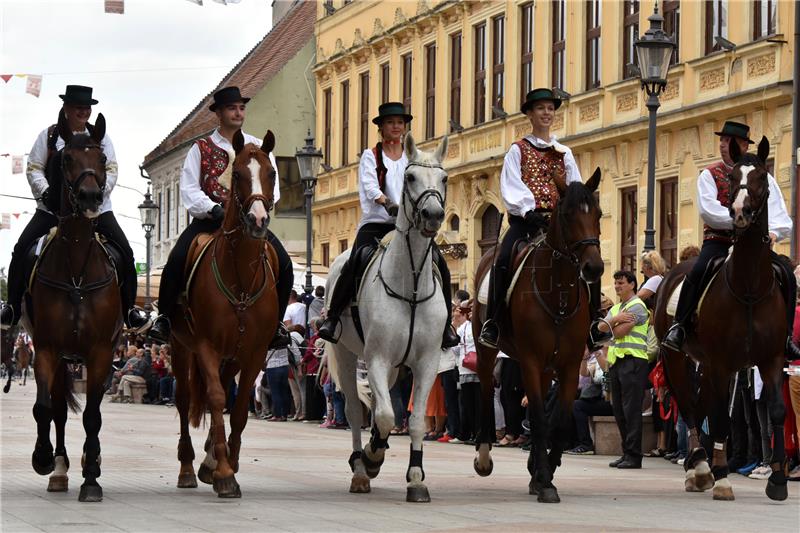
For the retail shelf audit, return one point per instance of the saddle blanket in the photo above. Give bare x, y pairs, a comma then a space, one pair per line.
483, 289
672, 303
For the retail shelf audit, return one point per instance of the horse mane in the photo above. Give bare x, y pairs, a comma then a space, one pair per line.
577, 193
81, 141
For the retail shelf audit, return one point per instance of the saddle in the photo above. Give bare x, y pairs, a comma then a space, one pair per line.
712, 269
521, 250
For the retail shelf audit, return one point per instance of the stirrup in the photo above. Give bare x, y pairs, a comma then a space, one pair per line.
485, 337
137, 318
600, 338
282, 337
675, 337
160, 330
327, 331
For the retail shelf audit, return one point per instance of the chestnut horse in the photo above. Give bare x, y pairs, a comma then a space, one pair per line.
228, 318
740, 324
23, 355
546, 332
74, 314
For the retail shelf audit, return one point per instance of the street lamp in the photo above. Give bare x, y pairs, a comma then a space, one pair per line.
653, 51
308, 161
148, 210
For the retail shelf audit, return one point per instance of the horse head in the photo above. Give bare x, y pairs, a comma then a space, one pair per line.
83, 165
579, 225
251, 183
749, 185
424, 187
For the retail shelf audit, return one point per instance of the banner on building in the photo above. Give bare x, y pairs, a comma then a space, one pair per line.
115, 6
33, 85
5, 221
16, 164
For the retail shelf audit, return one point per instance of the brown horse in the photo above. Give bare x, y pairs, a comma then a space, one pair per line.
7, 341
547, 328
75, 313
740, 324
227, 320
23, 354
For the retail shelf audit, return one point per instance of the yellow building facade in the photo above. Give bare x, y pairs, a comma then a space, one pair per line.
463, 69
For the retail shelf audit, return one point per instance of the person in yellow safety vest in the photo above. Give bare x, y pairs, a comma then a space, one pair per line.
627, 358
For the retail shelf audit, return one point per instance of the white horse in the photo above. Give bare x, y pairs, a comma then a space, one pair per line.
402, 313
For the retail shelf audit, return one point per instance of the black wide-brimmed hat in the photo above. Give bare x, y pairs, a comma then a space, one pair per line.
391, 109
78, 95
228, 95
735, 129
536, 95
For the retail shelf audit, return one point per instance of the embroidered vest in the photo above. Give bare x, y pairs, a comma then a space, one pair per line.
719, 172
536, 167
213, 162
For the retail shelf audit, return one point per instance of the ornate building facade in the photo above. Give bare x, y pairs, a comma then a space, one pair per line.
463, 68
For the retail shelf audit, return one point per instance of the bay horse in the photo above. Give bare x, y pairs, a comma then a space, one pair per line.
548, 323
75, 313
741, 323
7, 341
228, 317
23, 355
402, 316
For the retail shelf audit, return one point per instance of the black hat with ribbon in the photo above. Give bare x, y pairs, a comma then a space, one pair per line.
391, 109
228, 95
537, 95
78, 95
735, 129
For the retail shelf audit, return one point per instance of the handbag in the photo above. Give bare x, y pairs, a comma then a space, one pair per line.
471, 361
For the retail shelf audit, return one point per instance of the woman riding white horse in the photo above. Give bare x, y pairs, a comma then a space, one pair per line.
402, 314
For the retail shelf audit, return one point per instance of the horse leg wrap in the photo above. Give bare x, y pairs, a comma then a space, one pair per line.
376, 442
719, 472
355, 456
415, 460
694, 456
62, 452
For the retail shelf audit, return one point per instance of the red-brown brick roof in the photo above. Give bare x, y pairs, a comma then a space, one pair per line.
263, 62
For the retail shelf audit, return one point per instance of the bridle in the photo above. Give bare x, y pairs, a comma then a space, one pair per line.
755, 214
74, 186
244, 206
416, 212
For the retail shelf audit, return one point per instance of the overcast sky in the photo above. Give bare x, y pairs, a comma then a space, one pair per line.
148, 67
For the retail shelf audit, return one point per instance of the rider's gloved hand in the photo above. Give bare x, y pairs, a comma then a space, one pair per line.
217, 213
391, 207
48, 201
535, 220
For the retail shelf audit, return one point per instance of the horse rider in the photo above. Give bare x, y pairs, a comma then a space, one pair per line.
44, 169
381, 173
713, 186
530, 195
204, 198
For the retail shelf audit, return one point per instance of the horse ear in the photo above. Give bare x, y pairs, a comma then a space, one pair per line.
64, 131
410, 146
238, 141
733, 150
99, 132
268, 144
594, 181
763, 150
441, 152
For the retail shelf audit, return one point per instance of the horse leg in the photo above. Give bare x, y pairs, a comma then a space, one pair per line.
776, 484
483, 463
424, 371
59, 481
224, 481
541, 482
718, 428
42, 459
562, 415
381, 374
238, 418
346, 363
180, 368
100, 358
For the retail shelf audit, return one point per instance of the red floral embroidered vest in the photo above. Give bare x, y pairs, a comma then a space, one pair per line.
536, 167
213, 162
719, 171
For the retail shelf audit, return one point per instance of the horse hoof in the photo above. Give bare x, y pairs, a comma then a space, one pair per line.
533, 490
547, 495
43, 463
723, 490
187, 481
91, 493
7, 388
418, 494
703, 478
483, 472
359, 484
227, 488
205, 474
690, 483
776, 491
58, 484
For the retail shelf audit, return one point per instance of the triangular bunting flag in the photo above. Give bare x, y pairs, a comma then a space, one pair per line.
6, 77
20, 75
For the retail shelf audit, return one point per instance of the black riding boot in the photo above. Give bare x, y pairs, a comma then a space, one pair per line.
342, 294
449, 338
490, 332
687, 301
789, 288
6, 315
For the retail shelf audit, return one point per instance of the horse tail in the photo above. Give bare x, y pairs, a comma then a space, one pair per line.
333, 364
197, 396
64, 373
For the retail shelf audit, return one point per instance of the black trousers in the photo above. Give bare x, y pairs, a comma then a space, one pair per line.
173, 278
450, 385
511, 393
582, 409
627, 377
470, 402
41, 223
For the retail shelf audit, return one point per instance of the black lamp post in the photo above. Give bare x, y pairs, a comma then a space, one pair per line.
308, 161
148, 210
653, 50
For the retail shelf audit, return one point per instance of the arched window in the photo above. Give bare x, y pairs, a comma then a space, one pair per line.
455, 223
490, 228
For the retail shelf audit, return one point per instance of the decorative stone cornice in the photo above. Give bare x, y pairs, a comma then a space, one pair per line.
456, 250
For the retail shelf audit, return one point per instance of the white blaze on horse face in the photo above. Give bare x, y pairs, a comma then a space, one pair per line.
257, 209
91, 214
738, 202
